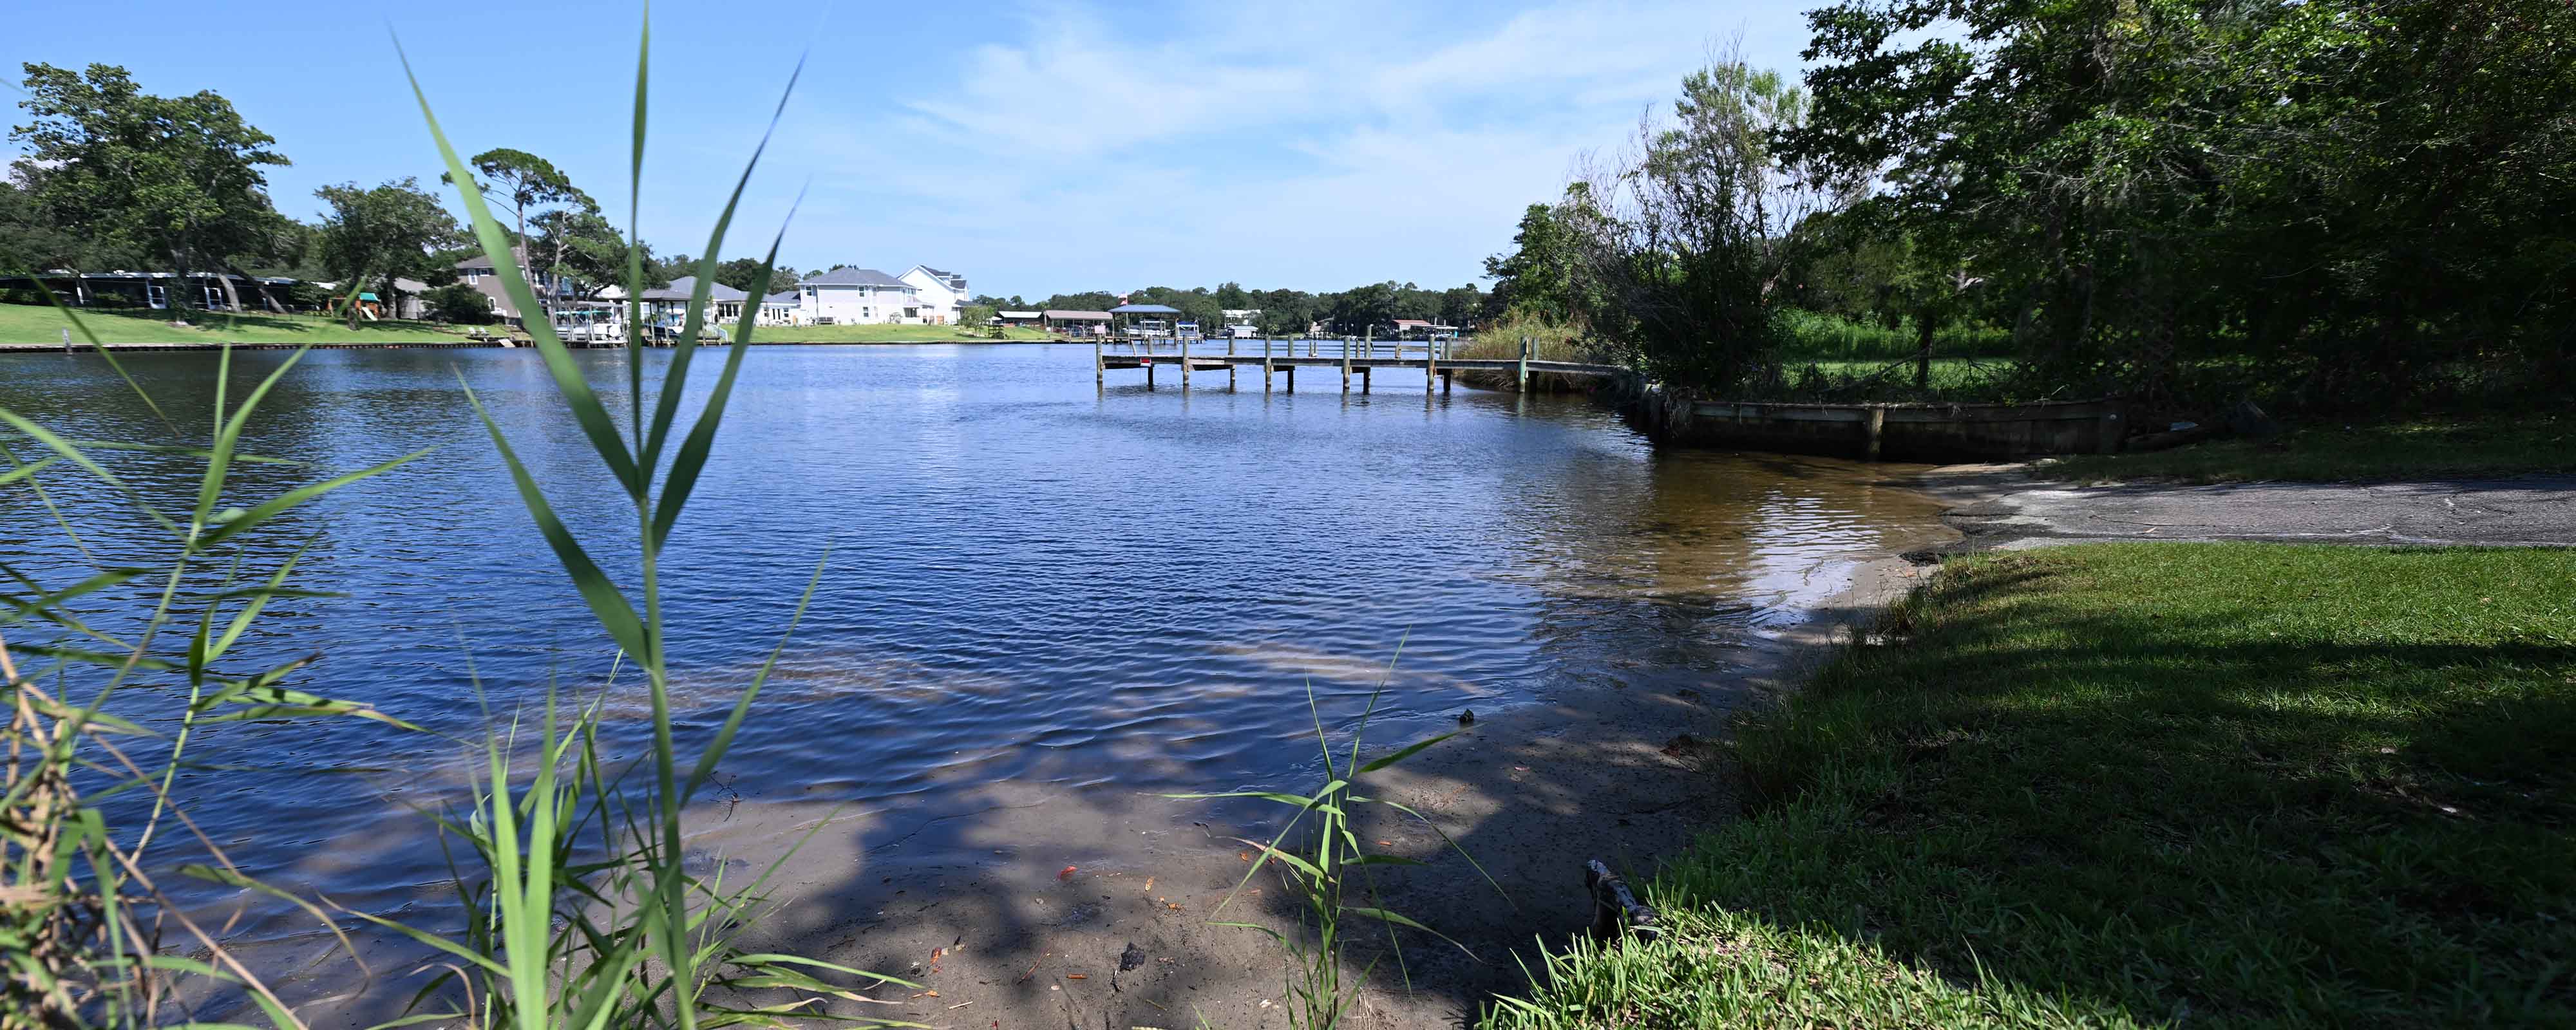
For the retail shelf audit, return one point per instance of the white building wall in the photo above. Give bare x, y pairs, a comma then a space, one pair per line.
938, 302
855, 305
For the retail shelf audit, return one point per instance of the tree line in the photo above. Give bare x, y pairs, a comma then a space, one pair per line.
1286, 312
2332, 205
115, 177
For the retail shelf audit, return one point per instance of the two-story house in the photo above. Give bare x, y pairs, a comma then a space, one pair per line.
943, 294
855, 296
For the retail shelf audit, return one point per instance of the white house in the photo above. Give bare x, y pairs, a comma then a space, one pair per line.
781, 308
857, 296
943, 294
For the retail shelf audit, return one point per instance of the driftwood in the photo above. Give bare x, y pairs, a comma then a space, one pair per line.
1614, 909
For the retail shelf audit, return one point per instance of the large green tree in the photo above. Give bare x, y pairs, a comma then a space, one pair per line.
30, 240
742, 273
374, 235
176, 179
527, 186
2356, 201
579, 245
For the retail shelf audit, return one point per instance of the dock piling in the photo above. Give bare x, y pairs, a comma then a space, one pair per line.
1346, 364
1099, 368
1430, 366
1265, 364
1229, 366
1525, 353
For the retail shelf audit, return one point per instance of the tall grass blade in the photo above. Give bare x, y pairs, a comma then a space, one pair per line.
219, 459
584, 402
692, 457
667, 407
610, 606
635, 253
716, 748
101, 349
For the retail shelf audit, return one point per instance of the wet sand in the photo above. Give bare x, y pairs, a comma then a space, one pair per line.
1622, 773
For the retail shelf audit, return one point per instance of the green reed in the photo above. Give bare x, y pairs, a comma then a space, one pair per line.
1317, 866
578, 911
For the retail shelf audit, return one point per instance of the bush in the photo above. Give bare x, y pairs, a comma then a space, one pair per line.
460, 304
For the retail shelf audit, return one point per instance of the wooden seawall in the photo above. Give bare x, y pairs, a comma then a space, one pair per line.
1896, 432
1274, 357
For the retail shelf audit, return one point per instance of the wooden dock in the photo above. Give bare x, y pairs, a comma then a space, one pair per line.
1187, 355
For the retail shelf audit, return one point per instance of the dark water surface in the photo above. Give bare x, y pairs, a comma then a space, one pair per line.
1029, 583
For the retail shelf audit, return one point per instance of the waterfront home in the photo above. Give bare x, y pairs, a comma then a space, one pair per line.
858, 296
781, 308
552, 291
671, 303
1074, 323
942, 294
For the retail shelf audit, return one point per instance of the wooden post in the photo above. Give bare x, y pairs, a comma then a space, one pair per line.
1265, 364
1183, 346
1525, 353
1099, 368
1292, 379
1229, 366
1364, 379
1872, 424
1430, 367
1149, 372
1346, 364
1444, 381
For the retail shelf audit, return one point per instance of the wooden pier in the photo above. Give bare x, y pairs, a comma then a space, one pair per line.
1185, 356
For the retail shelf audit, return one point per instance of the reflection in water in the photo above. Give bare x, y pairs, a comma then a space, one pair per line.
1032, 588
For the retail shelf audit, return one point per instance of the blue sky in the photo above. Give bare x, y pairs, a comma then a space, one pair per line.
1035, 147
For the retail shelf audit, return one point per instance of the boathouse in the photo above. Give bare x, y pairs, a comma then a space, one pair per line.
1074, 323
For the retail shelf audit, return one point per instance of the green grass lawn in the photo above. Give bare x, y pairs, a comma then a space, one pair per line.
28, 323
1947, 373
2193, 784
2336, 453
889, 334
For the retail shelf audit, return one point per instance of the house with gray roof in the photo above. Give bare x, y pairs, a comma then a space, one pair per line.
724, 303
857, 296
780, 308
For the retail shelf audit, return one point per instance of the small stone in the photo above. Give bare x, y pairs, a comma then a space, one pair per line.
1467, 717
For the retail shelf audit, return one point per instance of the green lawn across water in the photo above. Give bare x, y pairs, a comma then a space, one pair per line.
43, 324
2145, 784
37, 324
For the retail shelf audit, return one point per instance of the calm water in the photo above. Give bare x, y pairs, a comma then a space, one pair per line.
1028, 582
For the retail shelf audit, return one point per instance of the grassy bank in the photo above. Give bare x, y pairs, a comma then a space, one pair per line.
27, 323
1815, 336
2404, 450
893, 334
2234, 784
